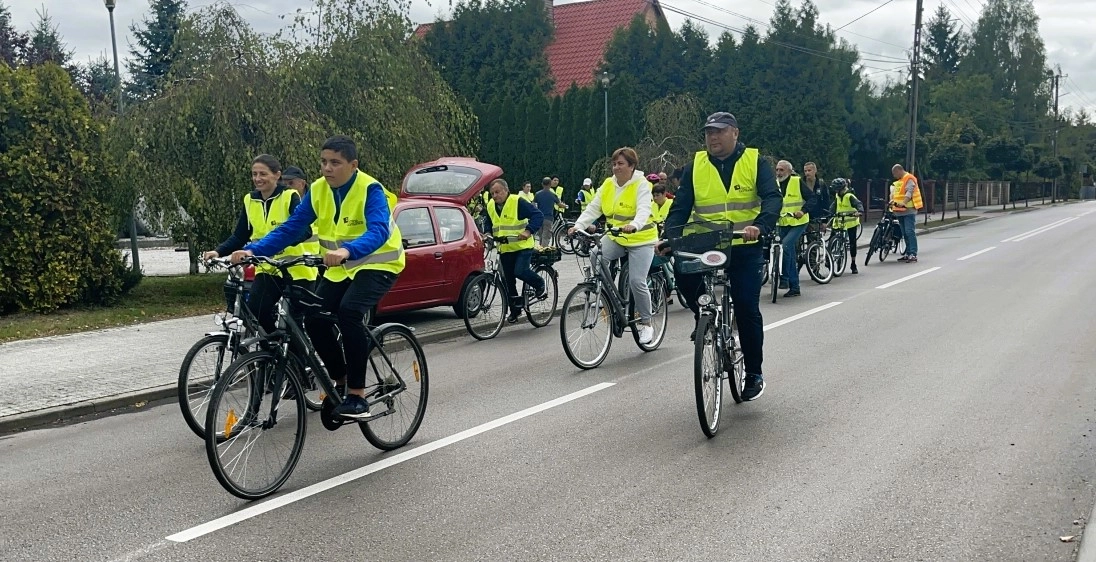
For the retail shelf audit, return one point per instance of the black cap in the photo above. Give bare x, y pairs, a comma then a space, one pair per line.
720, 120
293, 173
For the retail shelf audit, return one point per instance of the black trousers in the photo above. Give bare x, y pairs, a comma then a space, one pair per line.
352, 301
744, 273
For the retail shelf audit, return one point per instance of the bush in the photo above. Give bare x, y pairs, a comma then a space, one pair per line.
60, 246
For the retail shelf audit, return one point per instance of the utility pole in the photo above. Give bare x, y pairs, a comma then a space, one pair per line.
915, 76
1054, 141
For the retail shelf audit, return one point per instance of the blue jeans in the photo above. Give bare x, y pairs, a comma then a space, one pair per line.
909, 232
789, 267
515, 265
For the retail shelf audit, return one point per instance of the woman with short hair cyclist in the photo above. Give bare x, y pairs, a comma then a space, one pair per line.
625, 200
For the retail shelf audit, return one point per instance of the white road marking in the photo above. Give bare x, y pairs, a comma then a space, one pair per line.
907, 278
1039, 230
978, 253
1086, 212
295, 496
799, 316
1053, 226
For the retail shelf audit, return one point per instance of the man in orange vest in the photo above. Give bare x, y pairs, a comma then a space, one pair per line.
905, 202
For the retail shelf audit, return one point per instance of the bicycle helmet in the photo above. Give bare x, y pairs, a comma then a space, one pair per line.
653, 178
838, 184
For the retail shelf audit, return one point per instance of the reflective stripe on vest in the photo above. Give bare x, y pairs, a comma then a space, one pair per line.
352, 225
509, 225
263, 221
620, 211
717, 207
844, 205
793, 201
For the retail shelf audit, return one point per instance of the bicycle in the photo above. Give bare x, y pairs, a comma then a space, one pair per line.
603, 303
813, 253
771, 268
240, 414
838, 244
480, 306
559, 234
886, 238
717, 351
239, 332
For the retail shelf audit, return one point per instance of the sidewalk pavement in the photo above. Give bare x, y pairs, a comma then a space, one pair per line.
46, 380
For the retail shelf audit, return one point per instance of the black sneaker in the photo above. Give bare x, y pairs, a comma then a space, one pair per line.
904, 258
754, 387
692, 335
512, 318
353, 407
854, 271
543, 294
330, 404
792, 293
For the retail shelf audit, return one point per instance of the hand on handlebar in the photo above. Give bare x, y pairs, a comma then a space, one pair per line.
210, 255
628, 229
336, 257
751, 233
239, 255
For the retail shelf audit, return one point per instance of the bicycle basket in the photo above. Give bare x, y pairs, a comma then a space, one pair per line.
546, 256
704, 241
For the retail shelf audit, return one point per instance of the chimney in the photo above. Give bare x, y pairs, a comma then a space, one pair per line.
548, 11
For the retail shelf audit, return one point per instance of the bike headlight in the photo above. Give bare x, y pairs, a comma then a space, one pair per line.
704, 300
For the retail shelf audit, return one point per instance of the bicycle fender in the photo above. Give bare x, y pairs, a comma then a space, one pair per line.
221, 333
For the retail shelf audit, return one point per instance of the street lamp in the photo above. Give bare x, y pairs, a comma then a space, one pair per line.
605, 78
110, 4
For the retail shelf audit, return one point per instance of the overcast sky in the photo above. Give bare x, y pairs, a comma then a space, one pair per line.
883, 36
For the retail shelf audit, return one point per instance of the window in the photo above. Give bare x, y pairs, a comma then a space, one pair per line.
416, 227
451, 223
441, 180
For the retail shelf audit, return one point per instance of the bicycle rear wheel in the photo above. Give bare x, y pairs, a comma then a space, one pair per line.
819, 263
565, 244
540, 312
202, 367
242, 417
484, 306
875, 245
404, 409
707, 377
586, 326
660, 313
734, 363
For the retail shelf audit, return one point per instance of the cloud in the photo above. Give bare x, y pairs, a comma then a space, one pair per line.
886, 33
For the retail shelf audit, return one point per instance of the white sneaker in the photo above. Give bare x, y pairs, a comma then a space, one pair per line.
646, 334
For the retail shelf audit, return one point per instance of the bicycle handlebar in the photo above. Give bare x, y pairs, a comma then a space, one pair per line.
283, 265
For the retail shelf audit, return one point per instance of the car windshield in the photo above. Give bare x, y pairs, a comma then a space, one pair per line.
441, 180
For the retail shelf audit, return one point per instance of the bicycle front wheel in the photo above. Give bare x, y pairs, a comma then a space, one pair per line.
707, 376
403, 409
819, 263
202, 367
875, 245
255, 435
586, 326
540, 312
734, 363
484, 306
839, 253
774, 279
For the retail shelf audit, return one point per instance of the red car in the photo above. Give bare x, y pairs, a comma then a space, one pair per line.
444, 247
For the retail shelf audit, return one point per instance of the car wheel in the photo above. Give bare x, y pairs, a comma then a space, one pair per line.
458, 308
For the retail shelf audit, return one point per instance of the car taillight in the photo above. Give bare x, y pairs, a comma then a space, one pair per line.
249, 273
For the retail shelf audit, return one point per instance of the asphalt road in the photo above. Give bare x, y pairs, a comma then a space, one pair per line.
949, 416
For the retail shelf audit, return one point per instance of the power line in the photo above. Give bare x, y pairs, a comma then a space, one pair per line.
863, 16
721, 25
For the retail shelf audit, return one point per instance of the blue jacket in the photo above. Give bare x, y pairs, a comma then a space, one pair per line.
377, 217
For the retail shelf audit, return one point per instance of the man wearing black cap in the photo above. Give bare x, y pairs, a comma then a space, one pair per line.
729, 183
294, 178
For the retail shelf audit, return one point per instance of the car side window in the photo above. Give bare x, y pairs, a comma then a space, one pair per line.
451, 223
417, 227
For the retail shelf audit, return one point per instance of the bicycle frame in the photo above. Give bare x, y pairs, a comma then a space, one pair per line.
599, 275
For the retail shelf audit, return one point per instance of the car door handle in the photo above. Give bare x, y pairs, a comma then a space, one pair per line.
437, 255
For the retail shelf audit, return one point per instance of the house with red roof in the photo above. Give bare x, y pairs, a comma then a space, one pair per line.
582, 34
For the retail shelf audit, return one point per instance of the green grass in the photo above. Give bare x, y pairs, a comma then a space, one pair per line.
155, 298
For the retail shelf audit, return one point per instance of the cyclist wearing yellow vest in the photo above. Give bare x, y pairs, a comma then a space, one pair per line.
729, 183
905, 202
660, 205
625, 200
363, 253
845, 201
527, 192
513, 217
585, 194
798, 198
267, 206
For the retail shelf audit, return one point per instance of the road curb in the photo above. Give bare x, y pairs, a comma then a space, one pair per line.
1087, 551
55, 414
